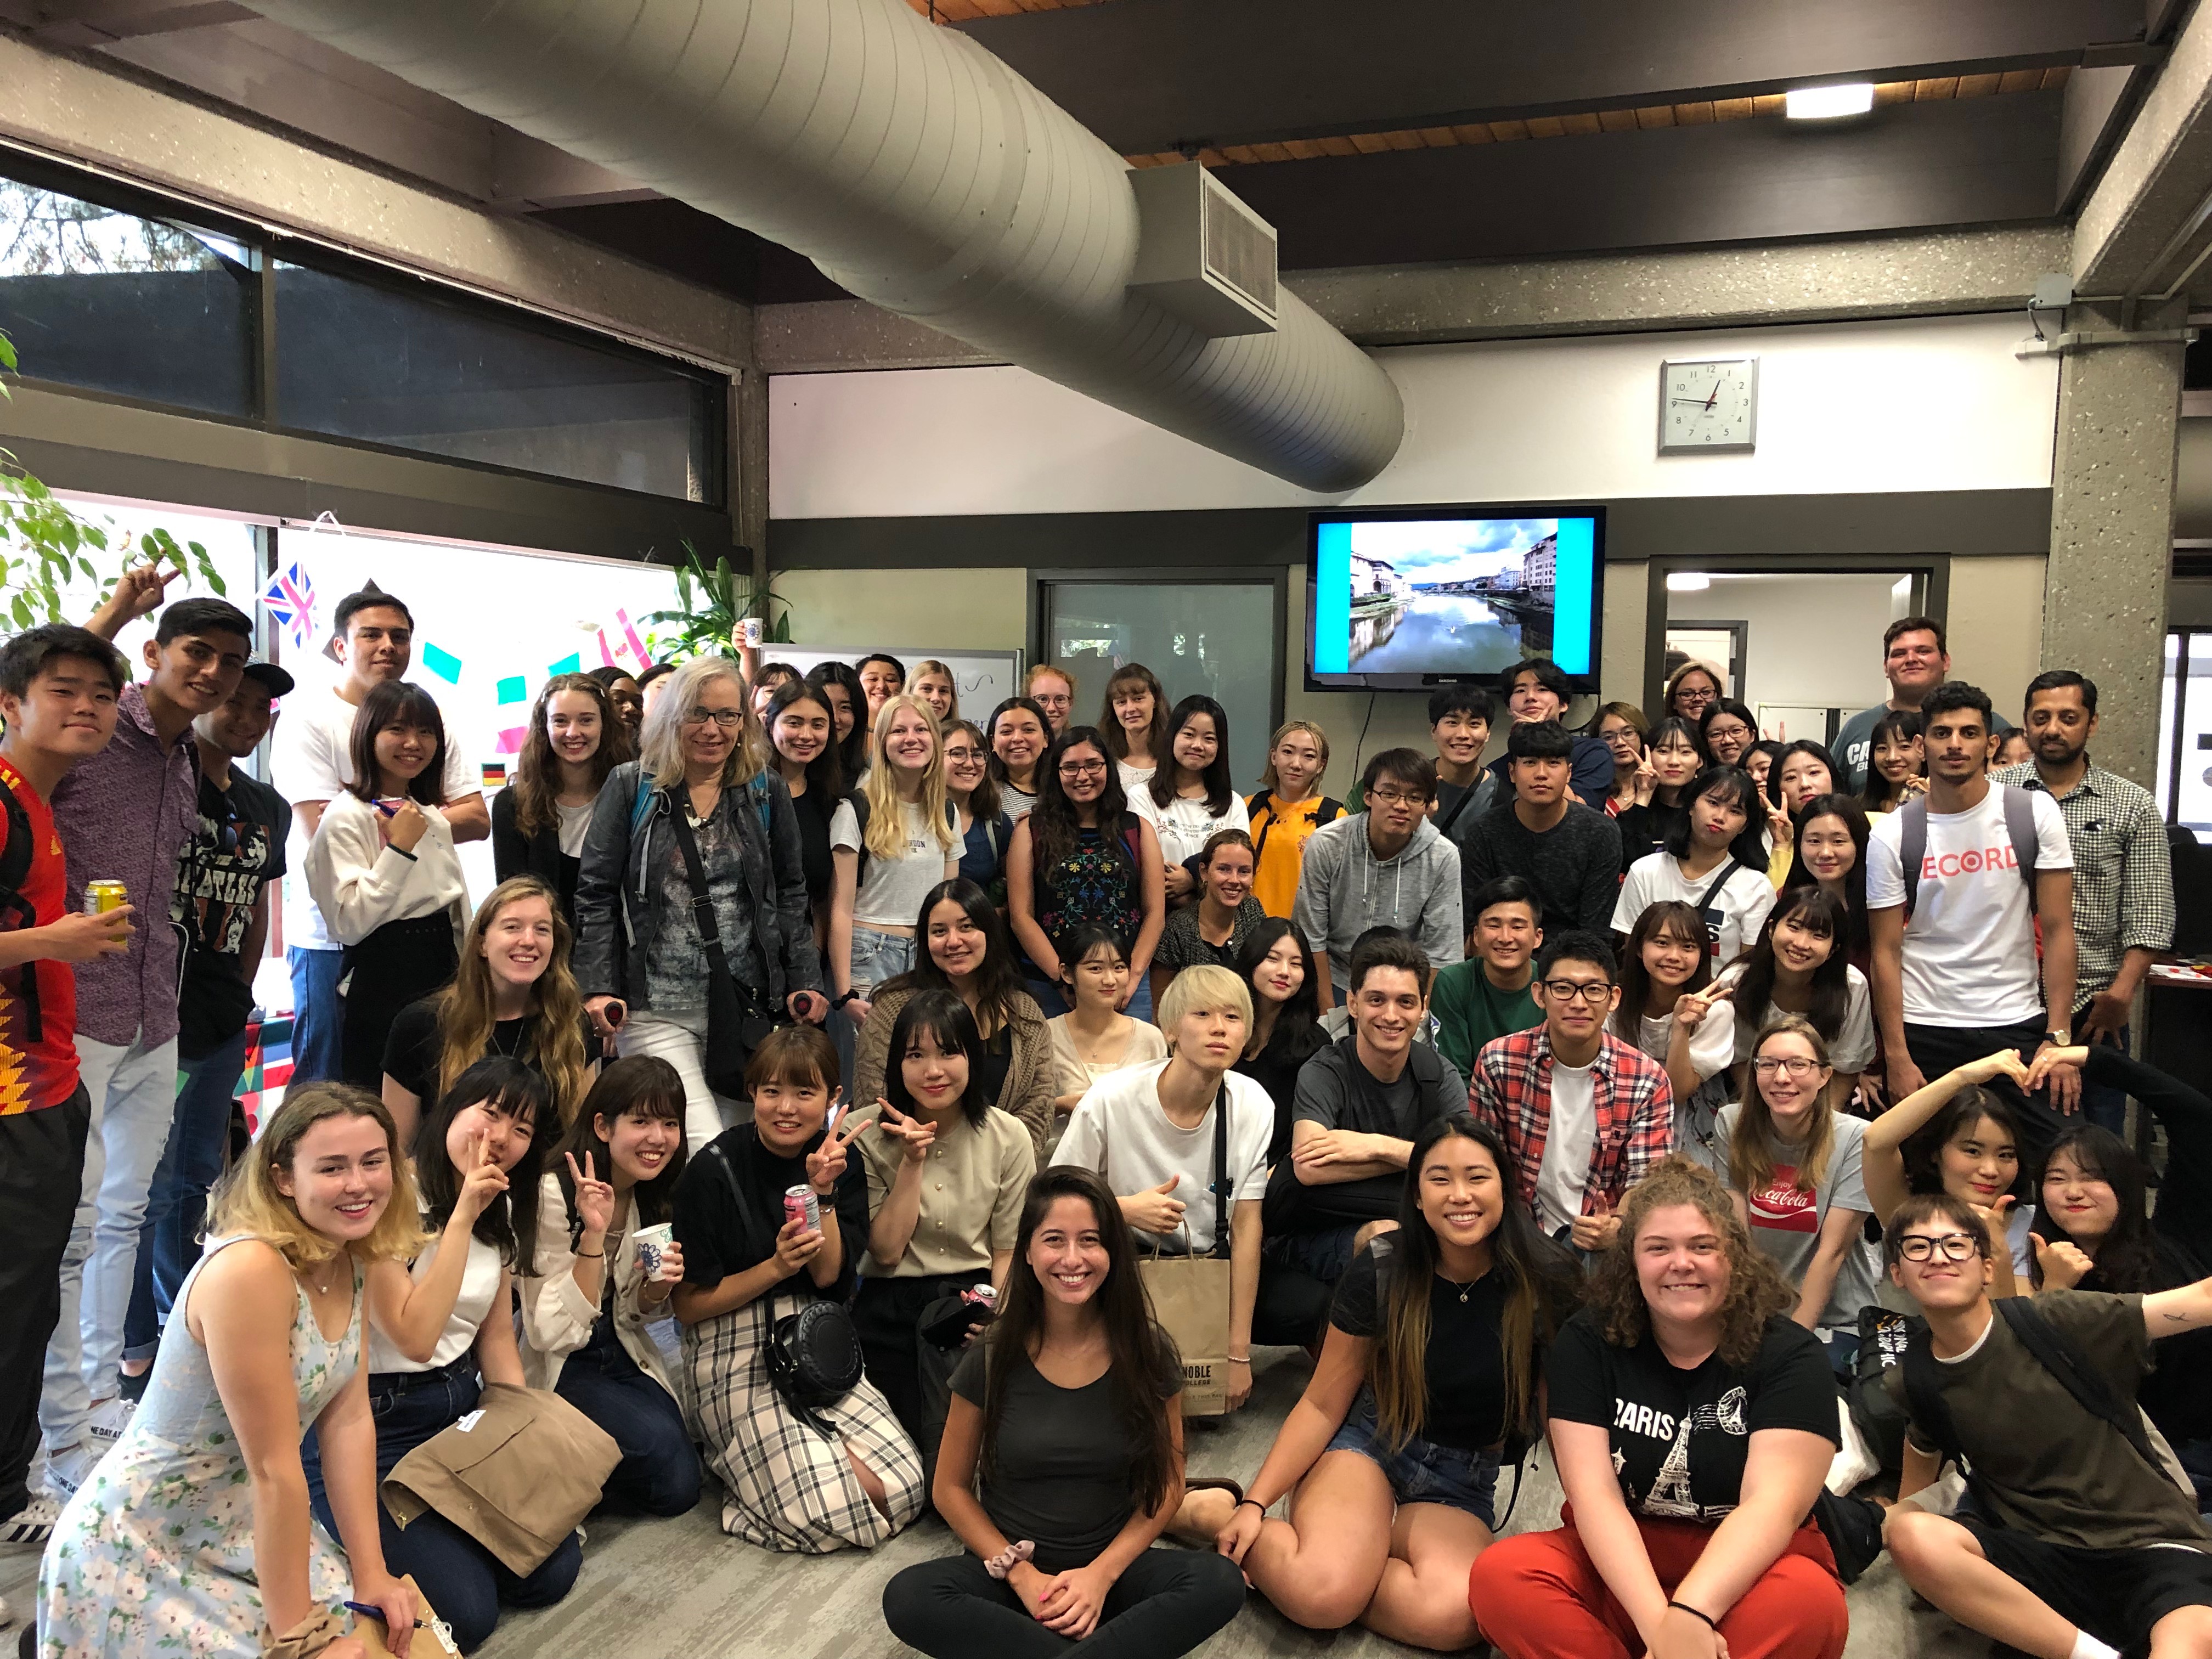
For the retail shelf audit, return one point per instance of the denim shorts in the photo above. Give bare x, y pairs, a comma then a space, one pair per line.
1421, 1472
878, 959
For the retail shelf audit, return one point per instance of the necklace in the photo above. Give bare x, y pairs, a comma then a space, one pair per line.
508, 1049
1464, 1289
328, 1279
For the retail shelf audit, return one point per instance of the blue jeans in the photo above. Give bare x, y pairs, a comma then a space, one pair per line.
169, 1242
317, 1019
1420, 1471
878, 958
463, 1580
659, 1473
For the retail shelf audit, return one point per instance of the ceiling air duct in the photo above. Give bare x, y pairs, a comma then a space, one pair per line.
915, 169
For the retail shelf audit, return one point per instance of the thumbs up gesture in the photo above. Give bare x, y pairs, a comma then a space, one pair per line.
1152, 1211
1597, 1230
2060, 1266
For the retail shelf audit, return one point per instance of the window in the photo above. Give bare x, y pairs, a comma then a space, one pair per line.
1221, 638
137, 308
359, 360
2184, 746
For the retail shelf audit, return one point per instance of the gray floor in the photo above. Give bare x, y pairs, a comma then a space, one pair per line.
681, 1589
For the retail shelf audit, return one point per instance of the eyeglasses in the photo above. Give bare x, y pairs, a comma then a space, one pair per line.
1397, 797
1726, 729
1591, 990
1694, 694
1083, 769
1921, 1247
728, 719
1796, 1065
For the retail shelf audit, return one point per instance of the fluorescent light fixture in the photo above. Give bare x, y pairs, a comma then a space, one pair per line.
1828, 103
1687, 581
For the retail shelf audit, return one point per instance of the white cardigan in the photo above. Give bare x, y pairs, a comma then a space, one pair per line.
558, 1319
359, 883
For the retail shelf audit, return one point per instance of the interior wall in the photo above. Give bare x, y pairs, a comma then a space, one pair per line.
970, 610
1995, 627
1806, 637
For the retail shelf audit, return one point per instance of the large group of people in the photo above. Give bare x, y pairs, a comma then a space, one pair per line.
885, 1111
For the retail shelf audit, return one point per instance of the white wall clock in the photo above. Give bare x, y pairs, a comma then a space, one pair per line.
1708, 406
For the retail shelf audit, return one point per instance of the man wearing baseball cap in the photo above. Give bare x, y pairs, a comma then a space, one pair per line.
225, 876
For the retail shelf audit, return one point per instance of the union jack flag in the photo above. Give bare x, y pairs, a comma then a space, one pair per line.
291, 600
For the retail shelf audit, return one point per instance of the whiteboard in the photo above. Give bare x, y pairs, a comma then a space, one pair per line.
986, 678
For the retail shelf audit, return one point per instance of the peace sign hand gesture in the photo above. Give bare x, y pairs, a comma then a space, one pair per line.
595, 1198
480, 1182
1690, 1009
826, 1163
915, 1133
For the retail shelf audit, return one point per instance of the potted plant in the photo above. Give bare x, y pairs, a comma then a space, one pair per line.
711, 600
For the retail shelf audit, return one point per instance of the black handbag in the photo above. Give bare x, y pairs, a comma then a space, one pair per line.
736, 1023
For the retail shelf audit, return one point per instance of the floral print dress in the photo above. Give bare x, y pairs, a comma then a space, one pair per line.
155, 1555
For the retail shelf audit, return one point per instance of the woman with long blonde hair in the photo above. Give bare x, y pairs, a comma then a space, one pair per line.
538, 821
513, 995
891, 841
197, 1520
699, 788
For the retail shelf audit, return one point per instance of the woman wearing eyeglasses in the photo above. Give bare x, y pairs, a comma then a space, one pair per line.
1792, 1163
641, 957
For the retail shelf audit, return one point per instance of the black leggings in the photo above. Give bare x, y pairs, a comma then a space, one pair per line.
1166, 1604
399, 963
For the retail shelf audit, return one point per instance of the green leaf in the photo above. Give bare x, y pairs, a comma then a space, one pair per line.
22, 609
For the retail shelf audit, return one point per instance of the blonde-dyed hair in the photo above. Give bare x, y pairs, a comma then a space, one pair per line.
250, 1202
1751, 1153
1206, 985
660, 745
465, 1006
1268, 778
886, 832
931, 665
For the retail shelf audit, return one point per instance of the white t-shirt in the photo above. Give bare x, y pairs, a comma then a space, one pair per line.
1568, 1143
891, 889
1183, 825
1853, 1048
479, 1286
311, 761
1970, 942
1120, 1131
1712, 1045
1741, 903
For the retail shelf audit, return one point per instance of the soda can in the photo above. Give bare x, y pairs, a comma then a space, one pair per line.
800, 1204
101, 897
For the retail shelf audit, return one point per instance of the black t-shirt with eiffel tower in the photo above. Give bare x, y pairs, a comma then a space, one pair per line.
1679, 1437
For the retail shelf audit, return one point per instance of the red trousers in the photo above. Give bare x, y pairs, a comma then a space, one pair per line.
1539, 1597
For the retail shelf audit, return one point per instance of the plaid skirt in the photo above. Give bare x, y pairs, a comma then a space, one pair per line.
786, 1487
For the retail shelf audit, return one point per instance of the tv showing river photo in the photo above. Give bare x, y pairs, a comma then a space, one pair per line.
1450, 597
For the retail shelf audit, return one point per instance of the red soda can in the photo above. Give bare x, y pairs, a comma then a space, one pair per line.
800, 1204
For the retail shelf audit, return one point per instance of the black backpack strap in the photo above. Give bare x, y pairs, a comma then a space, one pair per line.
2020, 830
1924, 1398
702, 902
2070, 1366
1261, 802
1329, 811
1912, 846
1221, 1169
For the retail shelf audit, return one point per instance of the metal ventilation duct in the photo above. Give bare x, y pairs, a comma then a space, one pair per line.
912, 166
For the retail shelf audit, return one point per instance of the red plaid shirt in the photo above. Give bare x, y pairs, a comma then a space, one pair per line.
1628, 1090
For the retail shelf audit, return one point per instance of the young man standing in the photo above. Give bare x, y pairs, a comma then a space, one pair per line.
1536, 693
1955, 969
1460, 718
59, 691
2080, 1543
1384, 868
1569, 852
124, 815
1149, 1130
1487, 996
1583, 1116
374, 639
225, 878
2123, 879
1915, 660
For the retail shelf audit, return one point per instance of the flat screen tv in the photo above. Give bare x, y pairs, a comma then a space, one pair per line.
1403, 598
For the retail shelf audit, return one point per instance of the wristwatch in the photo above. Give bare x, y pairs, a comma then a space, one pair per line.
2059, 1039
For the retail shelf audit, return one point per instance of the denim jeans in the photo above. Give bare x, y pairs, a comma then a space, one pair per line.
134, 1099
1420, 1471
169, 1242
2101, 1103
317, 1016
877, 958
463, 1580
659, 1473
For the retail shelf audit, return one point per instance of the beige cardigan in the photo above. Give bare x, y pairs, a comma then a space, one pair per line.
557, 1320
1027, 1094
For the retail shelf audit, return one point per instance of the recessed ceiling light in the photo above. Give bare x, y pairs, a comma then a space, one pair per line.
1828, 103
1687, 581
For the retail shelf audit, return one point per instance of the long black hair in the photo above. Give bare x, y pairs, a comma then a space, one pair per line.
1220, 787
1846, 809
637, 1083
1541, 1283
1923, 1150
1817, 912
945, 1017
1749, 846
1636, 978
1303, 1009
998, 981
852, 748
1053, 822
1898, 725
1676, 726
2134, 1256
994, 768
509, 1222
1819, 752
1143, 1366
825, 772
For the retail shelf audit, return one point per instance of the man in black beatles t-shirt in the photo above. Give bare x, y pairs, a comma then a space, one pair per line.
227, 874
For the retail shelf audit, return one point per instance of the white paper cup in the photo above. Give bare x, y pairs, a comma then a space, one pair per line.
650, 1243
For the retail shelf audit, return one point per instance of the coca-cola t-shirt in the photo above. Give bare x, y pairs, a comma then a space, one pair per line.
1679, 1437
1970, 941
1786, 1223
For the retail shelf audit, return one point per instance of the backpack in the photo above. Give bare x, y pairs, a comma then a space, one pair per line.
1327, 812
2020, 830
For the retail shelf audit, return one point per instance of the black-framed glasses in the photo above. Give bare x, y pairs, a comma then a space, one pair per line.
728, 719
1397, 797
1593, 991
1797, 1066
1082, 768
1922, 1246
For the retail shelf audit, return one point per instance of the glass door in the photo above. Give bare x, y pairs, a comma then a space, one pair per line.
2184, 749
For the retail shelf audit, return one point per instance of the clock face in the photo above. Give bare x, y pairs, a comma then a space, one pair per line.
1711, 405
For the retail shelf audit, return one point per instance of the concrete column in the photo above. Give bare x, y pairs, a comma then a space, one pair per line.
2112, 531
748, 466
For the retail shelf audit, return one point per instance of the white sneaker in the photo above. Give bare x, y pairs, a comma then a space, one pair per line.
70, 1468
109, 1421
6, 1615
32, 1524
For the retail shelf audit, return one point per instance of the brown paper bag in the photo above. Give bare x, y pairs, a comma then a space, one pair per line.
426, 1641
1190, 1300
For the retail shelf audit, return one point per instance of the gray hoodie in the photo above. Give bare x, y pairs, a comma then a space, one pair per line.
1343, 890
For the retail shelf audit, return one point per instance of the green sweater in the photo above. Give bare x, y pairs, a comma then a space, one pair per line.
1471, 1011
